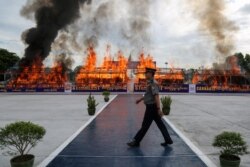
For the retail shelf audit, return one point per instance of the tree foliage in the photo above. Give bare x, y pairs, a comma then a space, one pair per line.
7, 59
231, 143
20, 136
243, 61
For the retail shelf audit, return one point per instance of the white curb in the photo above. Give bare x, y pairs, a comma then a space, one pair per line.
195, 149
46, 161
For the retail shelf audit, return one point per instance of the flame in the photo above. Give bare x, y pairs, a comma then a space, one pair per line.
173, 75
228, 78
113, 72
110, 72
144, 62
36, 76
91, 60
233, 62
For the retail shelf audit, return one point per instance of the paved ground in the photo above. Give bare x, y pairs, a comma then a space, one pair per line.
204, 116
200, 117
61, 115
103, 142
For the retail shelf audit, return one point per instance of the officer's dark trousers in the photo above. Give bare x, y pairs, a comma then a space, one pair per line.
150, 115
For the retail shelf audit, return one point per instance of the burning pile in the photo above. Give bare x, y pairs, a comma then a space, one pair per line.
217, 80
169, 79
226, 78
111, 75
163, 76
142, 64
37, 76
52, 17
170, 76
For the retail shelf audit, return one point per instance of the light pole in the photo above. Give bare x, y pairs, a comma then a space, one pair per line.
166, 63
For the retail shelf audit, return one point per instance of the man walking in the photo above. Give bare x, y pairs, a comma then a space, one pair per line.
153, 111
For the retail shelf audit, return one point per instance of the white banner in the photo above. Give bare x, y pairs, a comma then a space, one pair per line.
192, 88
68, 87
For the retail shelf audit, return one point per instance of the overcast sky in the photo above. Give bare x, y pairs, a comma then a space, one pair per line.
174, 32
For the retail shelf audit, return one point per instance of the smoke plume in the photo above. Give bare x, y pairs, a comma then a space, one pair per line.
211, 19
68, 26
106, 22
65, 61
51, 16
138, 23
88, 30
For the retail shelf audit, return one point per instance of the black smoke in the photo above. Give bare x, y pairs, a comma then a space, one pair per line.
51, 16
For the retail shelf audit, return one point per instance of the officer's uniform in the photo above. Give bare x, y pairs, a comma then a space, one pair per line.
151, 113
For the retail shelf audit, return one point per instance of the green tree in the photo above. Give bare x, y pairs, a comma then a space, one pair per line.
243, 61
7, 59
247, 59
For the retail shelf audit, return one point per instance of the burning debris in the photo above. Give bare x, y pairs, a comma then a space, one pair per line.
143, 63
38, 78
219, 81
51, 16
227, 77
170, 79
111, 75
114, 74
58, 29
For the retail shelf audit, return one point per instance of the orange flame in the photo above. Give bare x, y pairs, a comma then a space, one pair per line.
110, 72
226, 78
37, 76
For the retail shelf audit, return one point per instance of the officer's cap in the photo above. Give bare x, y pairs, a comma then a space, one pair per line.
150, 70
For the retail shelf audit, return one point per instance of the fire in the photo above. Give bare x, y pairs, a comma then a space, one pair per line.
37, 76
228, 78
164, 76
144, 62
109, 74
233, 65
91, 59
112, 75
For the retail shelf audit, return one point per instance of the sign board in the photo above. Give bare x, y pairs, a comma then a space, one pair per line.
192, 88
130, 87
68, 87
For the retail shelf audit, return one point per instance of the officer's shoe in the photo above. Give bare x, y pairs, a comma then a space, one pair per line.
166, 143
133, 143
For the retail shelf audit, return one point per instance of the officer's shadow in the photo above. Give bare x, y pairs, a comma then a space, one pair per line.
137, 152
142, 160
163, 160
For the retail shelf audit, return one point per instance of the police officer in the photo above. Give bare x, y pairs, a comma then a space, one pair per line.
153, 111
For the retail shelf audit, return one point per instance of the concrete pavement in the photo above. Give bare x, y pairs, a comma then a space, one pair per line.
60, 115
199, 117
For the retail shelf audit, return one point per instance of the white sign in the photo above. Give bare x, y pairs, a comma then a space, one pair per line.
130, 86
68, 87
192, 88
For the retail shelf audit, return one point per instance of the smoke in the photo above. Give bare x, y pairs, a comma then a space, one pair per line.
51, 16
32, 6
88, 30
65, 61
220, 28
69, 26
138, 23
231, 63
107, 21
